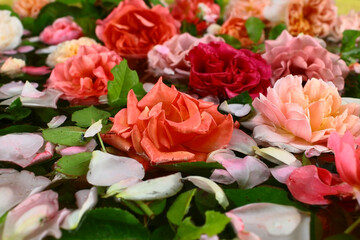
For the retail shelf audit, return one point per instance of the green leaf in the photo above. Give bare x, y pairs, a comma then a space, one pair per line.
235, 43
108, 224
15, 111
192, 167
87, 25
254, 27
214, 224
241, 197
28, 23
164, 233
18, 129
87, 116
242, 98
69, 136
3, 218
276, 31
74, 165
342, 236
46, 114
349, 40
124, 80
158, 206
180, 207
6, 7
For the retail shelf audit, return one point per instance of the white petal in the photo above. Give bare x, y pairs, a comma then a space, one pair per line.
16, 186
219, 155
239, 110
209, 186
106, 169
241, 142
86, 200
273, 221
30, 91
277, 156
120, 186
13, 89
153, 189
93, 129
56, 121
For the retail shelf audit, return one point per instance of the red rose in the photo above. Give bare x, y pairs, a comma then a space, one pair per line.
221, 70
132, 29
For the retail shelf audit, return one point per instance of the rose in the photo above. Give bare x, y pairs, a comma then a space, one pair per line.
221, 70
304, 56
61, 30
299, 118
36, 217
83, 78
132, 29
11, 31
245, 9
168, 126
66, 50
345, 22
12, 67
29, 8
168, 59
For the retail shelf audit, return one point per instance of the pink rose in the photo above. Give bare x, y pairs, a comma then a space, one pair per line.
83, 78
63, 29
168, 59
345, 22
305, 57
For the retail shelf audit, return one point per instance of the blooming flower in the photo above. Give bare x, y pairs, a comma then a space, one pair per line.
345, 22
304, 56
29, 8
301, 118
245, 8
11, 31
67, 49
223, 71
12, 66
83, 77
169, 126
169, 58
61, 30
132, 29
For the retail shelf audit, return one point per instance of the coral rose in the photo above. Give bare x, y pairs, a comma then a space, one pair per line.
11, 31
304, 56
67, 49
245, 8
132, 29
168, 126
168, 59
29, 8
83, 78
61, 30
223, 71
299, 118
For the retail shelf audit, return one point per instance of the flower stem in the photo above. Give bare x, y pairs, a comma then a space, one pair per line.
352, 226
146, 209
101, 143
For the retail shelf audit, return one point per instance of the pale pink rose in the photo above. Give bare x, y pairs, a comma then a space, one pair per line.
63, 29
304, 56
345, 22
83, 78
36, 217
299, 118
168, 59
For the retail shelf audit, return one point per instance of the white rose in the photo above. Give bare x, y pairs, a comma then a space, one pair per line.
11, 31
276, 11
12, 66
66, 50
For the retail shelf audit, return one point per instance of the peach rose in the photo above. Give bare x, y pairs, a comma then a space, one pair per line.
313, 17
304, 56
245, 8
132, 29
67, 49
235, 27
168, 126
345, 22
83, 78
29, 8
168, 59
301, 118
61, 30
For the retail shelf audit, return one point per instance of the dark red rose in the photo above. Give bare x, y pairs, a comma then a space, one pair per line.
221, 70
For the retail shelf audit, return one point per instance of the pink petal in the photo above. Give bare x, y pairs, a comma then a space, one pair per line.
222, 176
36, 71
242, 142
56, 121
89, 147
282, 173
25, 49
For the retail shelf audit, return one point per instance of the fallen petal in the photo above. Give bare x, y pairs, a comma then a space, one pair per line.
93, 129
56, 121
241, 142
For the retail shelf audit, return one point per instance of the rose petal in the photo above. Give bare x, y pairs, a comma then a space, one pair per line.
56, 121
241, 142
277, 156
94, 129
89, 147
282, 173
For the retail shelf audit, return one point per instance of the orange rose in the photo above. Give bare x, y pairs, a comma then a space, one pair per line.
29, 8
132, 29
169, 126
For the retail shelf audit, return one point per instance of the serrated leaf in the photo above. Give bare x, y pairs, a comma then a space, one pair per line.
276, 31
124, 80
180, 207
69, 136
74, 165
106, 224
254, 27
241, 197
214, 224
87, 116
